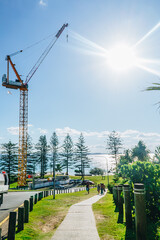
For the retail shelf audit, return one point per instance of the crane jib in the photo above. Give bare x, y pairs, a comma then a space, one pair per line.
61, 30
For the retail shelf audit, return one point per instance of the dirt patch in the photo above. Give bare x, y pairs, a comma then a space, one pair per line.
107, 237
99, 217
52, 223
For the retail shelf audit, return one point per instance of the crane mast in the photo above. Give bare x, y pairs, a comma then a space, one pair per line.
23, 107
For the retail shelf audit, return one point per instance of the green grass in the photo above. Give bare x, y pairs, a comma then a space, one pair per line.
13, 185
106, 220
48, 214
95, 179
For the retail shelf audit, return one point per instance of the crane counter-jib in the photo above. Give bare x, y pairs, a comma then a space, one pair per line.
13, 84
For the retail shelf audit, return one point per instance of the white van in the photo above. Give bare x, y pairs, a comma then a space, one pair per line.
3, 185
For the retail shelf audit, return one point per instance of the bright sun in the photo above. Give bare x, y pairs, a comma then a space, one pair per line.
121, 57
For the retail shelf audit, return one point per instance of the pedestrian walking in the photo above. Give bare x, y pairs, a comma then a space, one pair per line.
98, 189
102, 188
87, 187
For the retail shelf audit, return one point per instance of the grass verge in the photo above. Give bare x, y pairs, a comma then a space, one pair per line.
49, 213
106, 220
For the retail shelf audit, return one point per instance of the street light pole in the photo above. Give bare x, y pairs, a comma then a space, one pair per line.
54, 178
106, 165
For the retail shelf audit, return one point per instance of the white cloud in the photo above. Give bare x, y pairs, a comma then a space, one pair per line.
73, 132
96, 141
13, 130
63, 132
43, 131
42, 3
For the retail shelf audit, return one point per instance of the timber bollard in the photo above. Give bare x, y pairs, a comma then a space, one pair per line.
120, 199
115, 195
120, 204
35, 198
31, 203
140, 211
12, 226
20, 219
39, 196
26, 211
127, 203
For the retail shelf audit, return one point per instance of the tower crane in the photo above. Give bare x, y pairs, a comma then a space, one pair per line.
23, 111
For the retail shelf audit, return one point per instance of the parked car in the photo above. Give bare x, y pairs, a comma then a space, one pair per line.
71, 181
79, 181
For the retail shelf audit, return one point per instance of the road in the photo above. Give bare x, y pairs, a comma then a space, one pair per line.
11, 201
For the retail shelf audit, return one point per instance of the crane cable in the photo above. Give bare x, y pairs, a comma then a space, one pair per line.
44, 54
39, 61
30, 46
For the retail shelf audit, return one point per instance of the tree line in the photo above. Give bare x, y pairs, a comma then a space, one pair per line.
136, 166
43, 156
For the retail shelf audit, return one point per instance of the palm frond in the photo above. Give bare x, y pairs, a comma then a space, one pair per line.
152, 88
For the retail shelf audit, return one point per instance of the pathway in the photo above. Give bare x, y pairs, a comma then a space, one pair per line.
79, 223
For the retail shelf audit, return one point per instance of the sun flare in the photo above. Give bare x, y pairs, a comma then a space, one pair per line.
121, 57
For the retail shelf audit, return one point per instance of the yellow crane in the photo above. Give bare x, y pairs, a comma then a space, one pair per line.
23, 111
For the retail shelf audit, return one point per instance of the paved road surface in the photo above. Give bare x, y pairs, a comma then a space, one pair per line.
11, 201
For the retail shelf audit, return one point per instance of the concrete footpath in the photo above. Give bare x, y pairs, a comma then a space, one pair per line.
79, 223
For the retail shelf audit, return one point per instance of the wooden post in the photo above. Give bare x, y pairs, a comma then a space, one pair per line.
42, 195
120, 204
31, 203
115, 195
35, 198
12, 226
39, 196
26, 211
127, 203
20, 219
120, 199
140, 211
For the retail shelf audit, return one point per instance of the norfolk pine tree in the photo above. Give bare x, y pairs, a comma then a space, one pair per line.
81, 156
31, 156
114, 144
67, 153
9, 159
54, 151
42, 150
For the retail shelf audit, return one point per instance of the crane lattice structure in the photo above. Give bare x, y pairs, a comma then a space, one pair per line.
23, 110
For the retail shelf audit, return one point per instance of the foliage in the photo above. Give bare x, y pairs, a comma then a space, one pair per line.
140, 151
31, 157
148, 174
9, 159
54, 151
114, 144
42, 149
157, 154
110, 187
97, 171
124, 159
81, 156
67, 153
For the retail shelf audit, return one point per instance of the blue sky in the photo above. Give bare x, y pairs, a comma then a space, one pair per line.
75, 90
